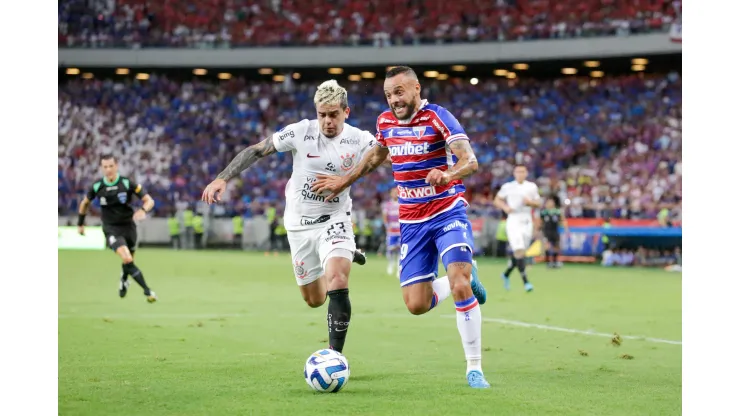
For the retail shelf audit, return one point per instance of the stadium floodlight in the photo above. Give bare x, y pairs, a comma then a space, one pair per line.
199, 71
122, 71
431, 74
296, 75
442, 77
501, 72
224, 75
335, 71
639, 61
265, 71
511, 75
459, 68
638, 68
569, 71
73, 71
521, 67
597, 74
474, 81
278, 78
142, 76
354, 77
88, 75
591, 64
368, 75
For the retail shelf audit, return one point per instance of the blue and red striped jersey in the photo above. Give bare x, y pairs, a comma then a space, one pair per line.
416, 147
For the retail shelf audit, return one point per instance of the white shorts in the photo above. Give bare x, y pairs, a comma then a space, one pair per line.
519, 233
311, 248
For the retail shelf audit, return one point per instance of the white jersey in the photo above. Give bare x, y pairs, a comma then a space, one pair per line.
314, 154
514, 193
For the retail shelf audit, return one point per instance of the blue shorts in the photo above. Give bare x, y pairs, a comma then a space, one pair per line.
448, 235
392, 242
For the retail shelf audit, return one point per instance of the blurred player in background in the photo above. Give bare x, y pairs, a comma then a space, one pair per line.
392, 231
116, 195
430, 155
517, 199
552, 218
320, 235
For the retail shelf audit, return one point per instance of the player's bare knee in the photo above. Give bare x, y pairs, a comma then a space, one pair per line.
314, 301
460, 285
417, 307
125, 255
338, 279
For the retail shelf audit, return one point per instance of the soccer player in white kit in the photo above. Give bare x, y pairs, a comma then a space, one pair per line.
322, 243
517, 199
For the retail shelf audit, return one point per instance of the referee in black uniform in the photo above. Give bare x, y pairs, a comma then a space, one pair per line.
116, 194
552, 217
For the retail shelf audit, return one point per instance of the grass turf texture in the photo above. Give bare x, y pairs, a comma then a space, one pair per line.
230, 335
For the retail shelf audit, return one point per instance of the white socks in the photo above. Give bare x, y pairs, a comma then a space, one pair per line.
441, 289
469, 325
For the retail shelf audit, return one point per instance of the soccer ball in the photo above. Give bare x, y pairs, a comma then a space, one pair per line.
326, 371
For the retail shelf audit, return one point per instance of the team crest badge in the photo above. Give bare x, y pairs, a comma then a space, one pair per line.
419, 132
300, 271
122, 197
347, 161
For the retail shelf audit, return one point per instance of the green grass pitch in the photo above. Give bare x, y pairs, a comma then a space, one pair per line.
230, 335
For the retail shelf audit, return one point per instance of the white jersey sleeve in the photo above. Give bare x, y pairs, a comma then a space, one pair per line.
504, 191
367, 142
534, 192
286, 140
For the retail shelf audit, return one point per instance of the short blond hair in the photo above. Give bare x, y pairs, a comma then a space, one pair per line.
331, 93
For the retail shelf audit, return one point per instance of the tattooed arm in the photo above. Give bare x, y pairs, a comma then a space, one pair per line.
241, 162
247, 158
374, 157
466, 164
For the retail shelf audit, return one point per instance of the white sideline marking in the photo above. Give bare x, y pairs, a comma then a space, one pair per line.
572, 331
385, 316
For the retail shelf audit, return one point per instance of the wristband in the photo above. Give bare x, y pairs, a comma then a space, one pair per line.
80, 220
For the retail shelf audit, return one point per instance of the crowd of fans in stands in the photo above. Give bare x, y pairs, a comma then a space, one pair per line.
244, 23
608, 148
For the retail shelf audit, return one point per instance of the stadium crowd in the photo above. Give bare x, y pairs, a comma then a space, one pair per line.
607, 148
242, 23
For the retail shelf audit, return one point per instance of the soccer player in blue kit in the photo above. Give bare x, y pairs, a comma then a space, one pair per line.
430, 154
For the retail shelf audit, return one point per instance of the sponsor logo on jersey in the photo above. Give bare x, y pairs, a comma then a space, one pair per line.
439, 127
355, 141
309, 195
421, 192
287, 134
313, 221
336, 237
455, 224
300, 271
402, 132
111, 188
347, 161
408, 149
387, 120
308, 138
103, 201
330, 167
122, 197
423, 118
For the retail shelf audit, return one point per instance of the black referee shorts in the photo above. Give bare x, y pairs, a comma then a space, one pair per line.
120, 235
553, 237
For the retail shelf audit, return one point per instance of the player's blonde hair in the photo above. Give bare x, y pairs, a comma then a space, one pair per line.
331, 93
